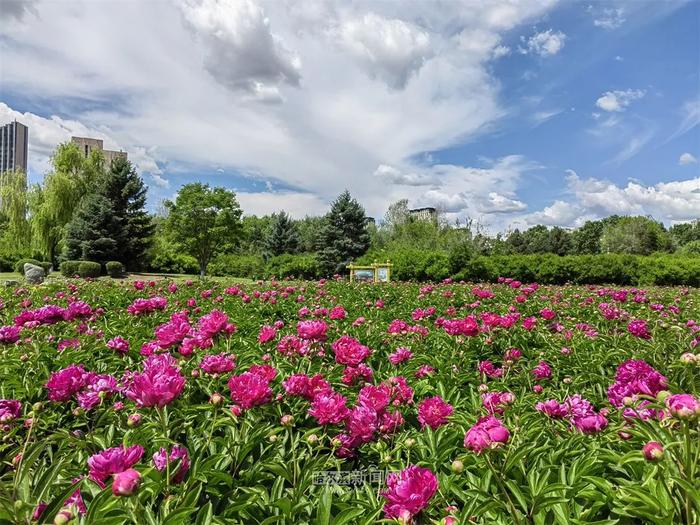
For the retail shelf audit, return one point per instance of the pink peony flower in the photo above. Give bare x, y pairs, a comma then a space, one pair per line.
112, 461
401, 355
349, 351
126, 483
267, 333
357, 374
174, 331
250, 389
66, 382
683, 406
118, 344
177, 453
635, 377
312, 330
9, 334
495, 402
423, 371
9, 409
329, 408
158, 385
653, 451
433, 412
408, 492
215, 322
542, 371
638, 328
217, 364
488, 432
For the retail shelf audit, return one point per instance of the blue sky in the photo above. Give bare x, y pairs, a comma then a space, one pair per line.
508, 113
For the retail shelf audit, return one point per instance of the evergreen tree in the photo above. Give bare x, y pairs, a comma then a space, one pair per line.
282, 236
344, 234
125, 190
91, 233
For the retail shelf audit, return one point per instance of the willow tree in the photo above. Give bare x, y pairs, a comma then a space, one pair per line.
13, 208
54, 203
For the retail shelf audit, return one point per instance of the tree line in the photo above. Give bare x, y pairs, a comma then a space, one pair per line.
86, 210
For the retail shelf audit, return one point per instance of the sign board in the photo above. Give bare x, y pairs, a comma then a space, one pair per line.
373, 273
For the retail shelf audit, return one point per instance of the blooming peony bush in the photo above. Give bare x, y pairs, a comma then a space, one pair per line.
335, 403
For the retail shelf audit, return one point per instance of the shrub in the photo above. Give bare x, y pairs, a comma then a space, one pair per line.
115, 269
19, 265
170, 262
249, 266
288, 265
5, 264
89, 269
69, 268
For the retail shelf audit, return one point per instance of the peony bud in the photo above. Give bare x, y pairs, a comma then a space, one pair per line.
287, 420
661, 396
126, 483
457, 466
312, 439
133, 420
216, 399
63, 517
410, 442
653, 451
537, 389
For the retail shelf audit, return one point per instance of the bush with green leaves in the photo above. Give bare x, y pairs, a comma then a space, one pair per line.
115, 269
89, 269
69, 268
248, 266
297, 266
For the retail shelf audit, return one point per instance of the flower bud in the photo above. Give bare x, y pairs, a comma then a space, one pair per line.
216, 399
410, 442
133, 420
661, 396
653, 451
483, 388
273, 438
37, 407
457, 466
688, 358
63, 517
537, 389
312, 439
126, 483
236, 410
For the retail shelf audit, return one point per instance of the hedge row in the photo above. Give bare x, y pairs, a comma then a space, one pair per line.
91, 269
19, 265
416, 265
255, 267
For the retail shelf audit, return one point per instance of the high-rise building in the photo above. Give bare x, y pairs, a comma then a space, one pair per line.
14, 140
423, 214
87, 145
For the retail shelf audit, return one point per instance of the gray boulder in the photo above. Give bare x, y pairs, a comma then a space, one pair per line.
11, 282
34, 274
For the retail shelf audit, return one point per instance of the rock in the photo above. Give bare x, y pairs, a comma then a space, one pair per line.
11, 282
34, 274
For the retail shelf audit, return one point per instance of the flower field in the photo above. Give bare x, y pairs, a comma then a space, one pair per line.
335, 403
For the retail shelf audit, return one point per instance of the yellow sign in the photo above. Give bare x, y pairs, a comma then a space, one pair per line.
374, 273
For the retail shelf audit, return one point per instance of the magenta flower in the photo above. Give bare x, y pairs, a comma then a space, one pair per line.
467, 326
66, 382
250, 389
146, 306
401, 355
112, 461
312, 330
653, 451
349, 351
489, 369
553, 409
338, 313
174, 331
267, 333
408, 492
591, 423
217, 364
423, 371
638, 328
633, 378
488, 432
329, 408
9, 409
158, 385
9, 334
496, 402
683, 406
177, 453
126, 483
118, 344
542, 371
362, 423
96, 388
215, 322
433, 412
376, 397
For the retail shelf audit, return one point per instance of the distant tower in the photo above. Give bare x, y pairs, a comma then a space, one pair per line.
14, 140
423, 214
87, 145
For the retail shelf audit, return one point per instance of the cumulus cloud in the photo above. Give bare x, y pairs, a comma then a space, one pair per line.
686, 159
240, 51
396, 176
296, 204
392, 50
593, 198
545, 43
17, 9
618, 100
498, 203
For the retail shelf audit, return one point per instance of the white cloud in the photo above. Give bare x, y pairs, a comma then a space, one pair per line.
545, 43
17, 9
593, 198
240, 51
618, 100
395, 176
610, 18
498, 203
691, 118
296, 204
392, 50
686, 159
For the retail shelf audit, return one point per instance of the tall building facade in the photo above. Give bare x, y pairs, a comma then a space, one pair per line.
14, 142
423, 214
87, 145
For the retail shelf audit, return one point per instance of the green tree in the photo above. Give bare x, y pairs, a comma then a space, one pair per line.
634, 235
253, 234
309, 229
15, 235
344, 235
126, 192
559, 241
685, 232
90, 235
282, 236
204, 221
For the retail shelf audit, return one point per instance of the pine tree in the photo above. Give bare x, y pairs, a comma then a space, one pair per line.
123, 187
282, 236
90, 234
344, 234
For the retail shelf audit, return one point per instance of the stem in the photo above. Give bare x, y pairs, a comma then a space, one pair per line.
162, 412
513, 511
21, 459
